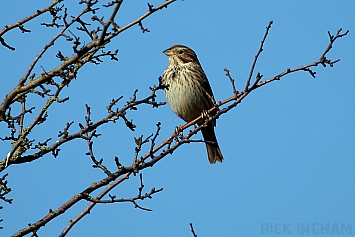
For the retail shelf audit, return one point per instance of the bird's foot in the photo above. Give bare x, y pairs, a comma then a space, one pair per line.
205, 115
177, 132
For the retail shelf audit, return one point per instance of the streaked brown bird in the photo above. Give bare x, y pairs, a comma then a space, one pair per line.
189, 93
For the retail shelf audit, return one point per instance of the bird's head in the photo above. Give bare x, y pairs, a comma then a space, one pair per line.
180, 55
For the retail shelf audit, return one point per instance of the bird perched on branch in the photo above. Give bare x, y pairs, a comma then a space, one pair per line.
189, 93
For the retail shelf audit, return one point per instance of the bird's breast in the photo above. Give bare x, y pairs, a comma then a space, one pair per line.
186, 95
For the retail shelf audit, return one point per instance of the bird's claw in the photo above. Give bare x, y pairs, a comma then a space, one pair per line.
205, 115
177, 130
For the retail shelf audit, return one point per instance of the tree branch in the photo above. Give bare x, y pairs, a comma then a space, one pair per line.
20, 23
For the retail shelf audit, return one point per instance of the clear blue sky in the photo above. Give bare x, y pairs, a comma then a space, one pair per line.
288, 147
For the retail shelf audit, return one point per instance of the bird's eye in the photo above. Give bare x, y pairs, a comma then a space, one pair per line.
181, 51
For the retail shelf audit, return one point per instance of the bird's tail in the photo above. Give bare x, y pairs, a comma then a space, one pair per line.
213, 151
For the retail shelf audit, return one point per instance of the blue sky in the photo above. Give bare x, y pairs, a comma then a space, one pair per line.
288, 147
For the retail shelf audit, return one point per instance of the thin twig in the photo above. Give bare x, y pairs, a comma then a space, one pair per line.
257, 56
192, 230
91, 205
24, 20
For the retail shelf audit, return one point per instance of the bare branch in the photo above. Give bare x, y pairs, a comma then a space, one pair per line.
65, 136
257, 55
141, 18
132, 200
4, 189
20, 23
110, 20
91, 205
235, 92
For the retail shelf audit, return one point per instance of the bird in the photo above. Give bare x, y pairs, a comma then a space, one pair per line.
189, 93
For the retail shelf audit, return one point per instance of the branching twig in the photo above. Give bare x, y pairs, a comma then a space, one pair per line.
257, 55
65, 136
67, 71
20, 23
235, 92
132, 200
4, 189
91, 205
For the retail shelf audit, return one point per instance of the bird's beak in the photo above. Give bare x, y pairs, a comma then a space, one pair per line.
168, 52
